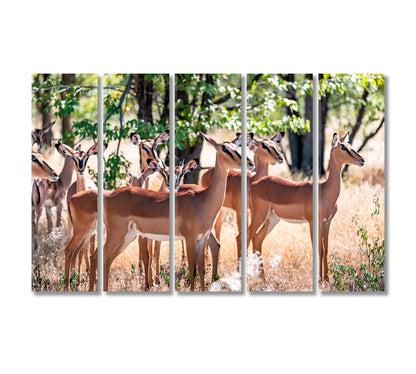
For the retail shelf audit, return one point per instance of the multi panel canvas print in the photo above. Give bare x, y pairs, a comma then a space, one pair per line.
136, 182
351, 191
64, 164
277, 253
280, 191
208, 203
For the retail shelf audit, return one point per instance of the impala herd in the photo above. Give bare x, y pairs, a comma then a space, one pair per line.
142, 209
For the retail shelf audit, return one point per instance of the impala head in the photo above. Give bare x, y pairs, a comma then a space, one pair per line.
80, 157
180, 171
344, 153
266, 148
228, 154
40, 168
148, 147
39, 134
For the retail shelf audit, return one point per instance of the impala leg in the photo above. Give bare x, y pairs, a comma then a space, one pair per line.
49, 218
215, 251
183, 250
257, 219
191, 254
238, 237
200, 252
147, 264
118, 238
325, 235
74, 245
320, 250
93, 270
156, 256
92, 246
218, 224
59, 214
270, 223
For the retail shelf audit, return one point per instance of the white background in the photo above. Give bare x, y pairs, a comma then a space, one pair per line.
237, 334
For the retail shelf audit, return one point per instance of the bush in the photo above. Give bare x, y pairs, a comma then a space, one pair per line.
370, 274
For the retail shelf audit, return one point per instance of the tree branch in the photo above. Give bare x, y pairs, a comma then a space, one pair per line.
120, 106
372, 135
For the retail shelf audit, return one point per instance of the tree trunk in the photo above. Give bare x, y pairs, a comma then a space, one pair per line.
66, 120
295, 140
46, 116
143, 89
307, 154
323, 112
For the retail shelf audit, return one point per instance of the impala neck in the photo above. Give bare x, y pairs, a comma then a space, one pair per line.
81, 183
332, 186
262, 167
143, 158
66, 174
216, 190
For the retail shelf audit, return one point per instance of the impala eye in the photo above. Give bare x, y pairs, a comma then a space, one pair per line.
343, 147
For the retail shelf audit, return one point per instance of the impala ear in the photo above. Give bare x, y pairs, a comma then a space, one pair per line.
253, 144
64, 150
48, 128
161, 138
345, 138
250, 138
126, 169
335, 140
135, 138
237, 140
191, 165
278, 137
35, 146
181, 163
210, 140
93, 150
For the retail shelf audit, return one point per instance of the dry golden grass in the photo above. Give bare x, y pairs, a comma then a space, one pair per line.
343, 239
50, 258
230, 279
123, 279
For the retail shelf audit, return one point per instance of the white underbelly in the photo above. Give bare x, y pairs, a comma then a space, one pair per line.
294, 220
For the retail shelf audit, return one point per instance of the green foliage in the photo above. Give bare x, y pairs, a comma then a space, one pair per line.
205, 101
62, 279
165, 276
120, 104
39, 283
348, 93
269, 106
133, 268
370, 274
74, 279
78, 100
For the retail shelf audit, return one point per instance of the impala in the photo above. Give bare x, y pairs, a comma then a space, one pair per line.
131, 211
265, 152
39, 134
275, 198
50, 194
82, 183
40, 168
83, 215
180, 171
